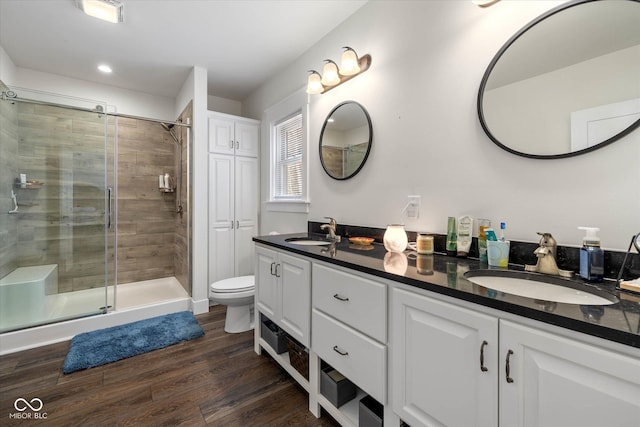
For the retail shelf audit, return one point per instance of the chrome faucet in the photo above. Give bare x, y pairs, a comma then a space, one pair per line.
331, 227
546, 253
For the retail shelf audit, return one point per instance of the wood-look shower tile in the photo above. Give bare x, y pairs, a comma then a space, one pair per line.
155, 158
154, 226
144, 239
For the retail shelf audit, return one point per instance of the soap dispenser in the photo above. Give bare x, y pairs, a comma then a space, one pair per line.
591, 256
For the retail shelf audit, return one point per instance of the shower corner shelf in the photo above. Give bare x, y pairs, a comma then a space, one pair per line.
30, 185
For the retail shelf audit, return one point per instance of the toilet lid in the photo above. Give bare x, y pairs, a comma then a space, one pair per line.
234, 284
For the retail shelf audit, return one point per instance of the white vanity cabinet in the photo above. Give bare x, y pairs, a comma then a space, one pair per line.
444, 368
349, 327
455, 366
283, 291
558, 381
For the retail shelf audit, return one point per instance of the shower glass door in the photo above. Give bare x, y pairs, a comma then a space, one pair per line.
55, 214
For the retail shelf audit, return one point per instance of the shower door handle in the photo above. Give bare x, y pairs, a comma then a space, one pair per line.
109, 191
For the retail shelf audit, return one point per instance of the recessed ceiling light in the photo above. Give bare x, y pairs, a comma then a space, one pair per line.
105, 68
107, 10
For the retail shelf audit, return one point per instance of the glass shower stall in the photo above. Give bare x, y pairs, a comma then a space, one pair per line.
58, 240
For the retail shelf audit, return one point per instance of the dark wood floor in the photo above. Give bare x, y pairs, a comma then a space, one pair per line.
214, 380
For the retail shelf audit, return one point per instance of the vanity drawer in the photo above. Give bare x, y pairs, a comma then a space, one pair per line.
360, 303
353, 354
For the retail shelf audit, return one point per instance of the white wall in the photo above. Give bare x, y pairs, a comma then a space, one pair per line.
125, 101
224, 105
200, 193
7, 68
427, 62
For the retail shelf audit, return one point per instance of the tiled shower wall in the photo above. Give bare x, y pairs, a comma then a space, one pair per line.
8, 172
146, 216
61, 219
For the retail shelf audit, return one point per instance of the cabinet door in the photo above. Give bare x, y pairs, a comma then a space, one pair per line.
246, 211
221, 217
436, 375
221, 135
562, 382
247, 139
295, 280
267, 289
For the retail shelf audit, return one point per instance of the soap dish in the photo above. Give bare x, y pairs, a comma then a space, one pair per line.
361, 240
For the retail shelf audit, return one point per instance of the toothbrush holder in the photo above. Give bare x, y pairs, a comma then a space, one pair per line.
498, 253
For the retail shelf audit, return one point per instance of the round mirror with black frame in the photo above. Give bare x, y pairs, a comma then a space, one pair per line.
567, 82
345, 140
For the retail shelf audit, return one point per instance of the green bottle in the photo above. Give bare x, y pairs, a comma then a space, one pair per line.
451, 237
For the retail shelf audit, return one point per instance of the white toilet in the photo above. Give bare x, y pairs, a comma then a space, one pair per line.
237, 294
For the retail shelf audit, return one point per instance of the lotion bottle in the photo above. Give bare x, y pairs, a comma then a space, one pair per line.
591, 256
463, 243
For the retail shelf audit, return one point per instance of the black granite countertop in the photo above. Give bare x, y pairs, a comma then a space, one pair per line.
619, 322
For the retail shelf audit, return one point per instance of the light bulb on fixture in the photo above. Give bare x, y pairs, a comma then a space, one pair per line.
314, 84
349, 63
330, 75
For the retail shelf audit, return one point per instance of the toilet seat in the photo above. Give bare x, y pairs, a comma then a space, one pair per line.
234, 285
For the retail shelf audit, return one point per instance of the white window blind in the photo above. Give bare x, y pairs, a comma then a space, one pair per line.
289, 141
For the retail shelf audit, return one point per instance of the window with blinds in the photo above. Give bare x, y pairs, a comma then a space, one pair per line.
288, 140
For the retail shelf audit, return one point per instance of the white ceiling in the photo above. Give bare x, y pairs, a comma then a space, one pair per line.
241, 43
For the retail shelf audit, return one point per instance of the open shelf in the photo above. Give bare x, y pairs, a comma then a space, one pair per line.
347, 414
283, 360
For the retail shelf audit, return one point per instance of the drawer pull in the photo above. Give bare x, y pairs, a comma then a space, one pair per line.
507, 368
482, 367
340, 298
339, 351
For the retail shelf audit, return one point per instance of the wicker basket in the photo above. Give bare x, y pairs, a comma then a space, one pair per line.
298, 357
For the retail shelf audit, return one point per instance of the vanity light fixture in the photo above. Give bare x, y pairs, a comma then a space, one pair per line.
484, 3
332, 75
107, 10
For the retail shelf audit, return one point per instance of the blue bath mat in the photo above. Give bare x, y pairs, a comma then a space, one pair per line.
91, 349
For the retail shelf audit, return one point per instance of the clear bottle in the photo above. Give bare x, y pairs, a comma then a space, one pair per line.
591, 256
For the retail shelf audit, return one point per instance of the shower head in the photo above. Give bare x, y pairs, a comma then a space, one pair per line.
169, 128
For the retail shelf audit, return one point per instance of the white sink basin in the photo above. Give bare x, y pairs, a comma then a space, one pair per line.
307, 241
540, 287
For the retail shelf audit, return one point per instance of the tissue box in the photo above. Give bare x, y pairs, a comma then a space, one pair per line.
273, 335
336, 387
370, 413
